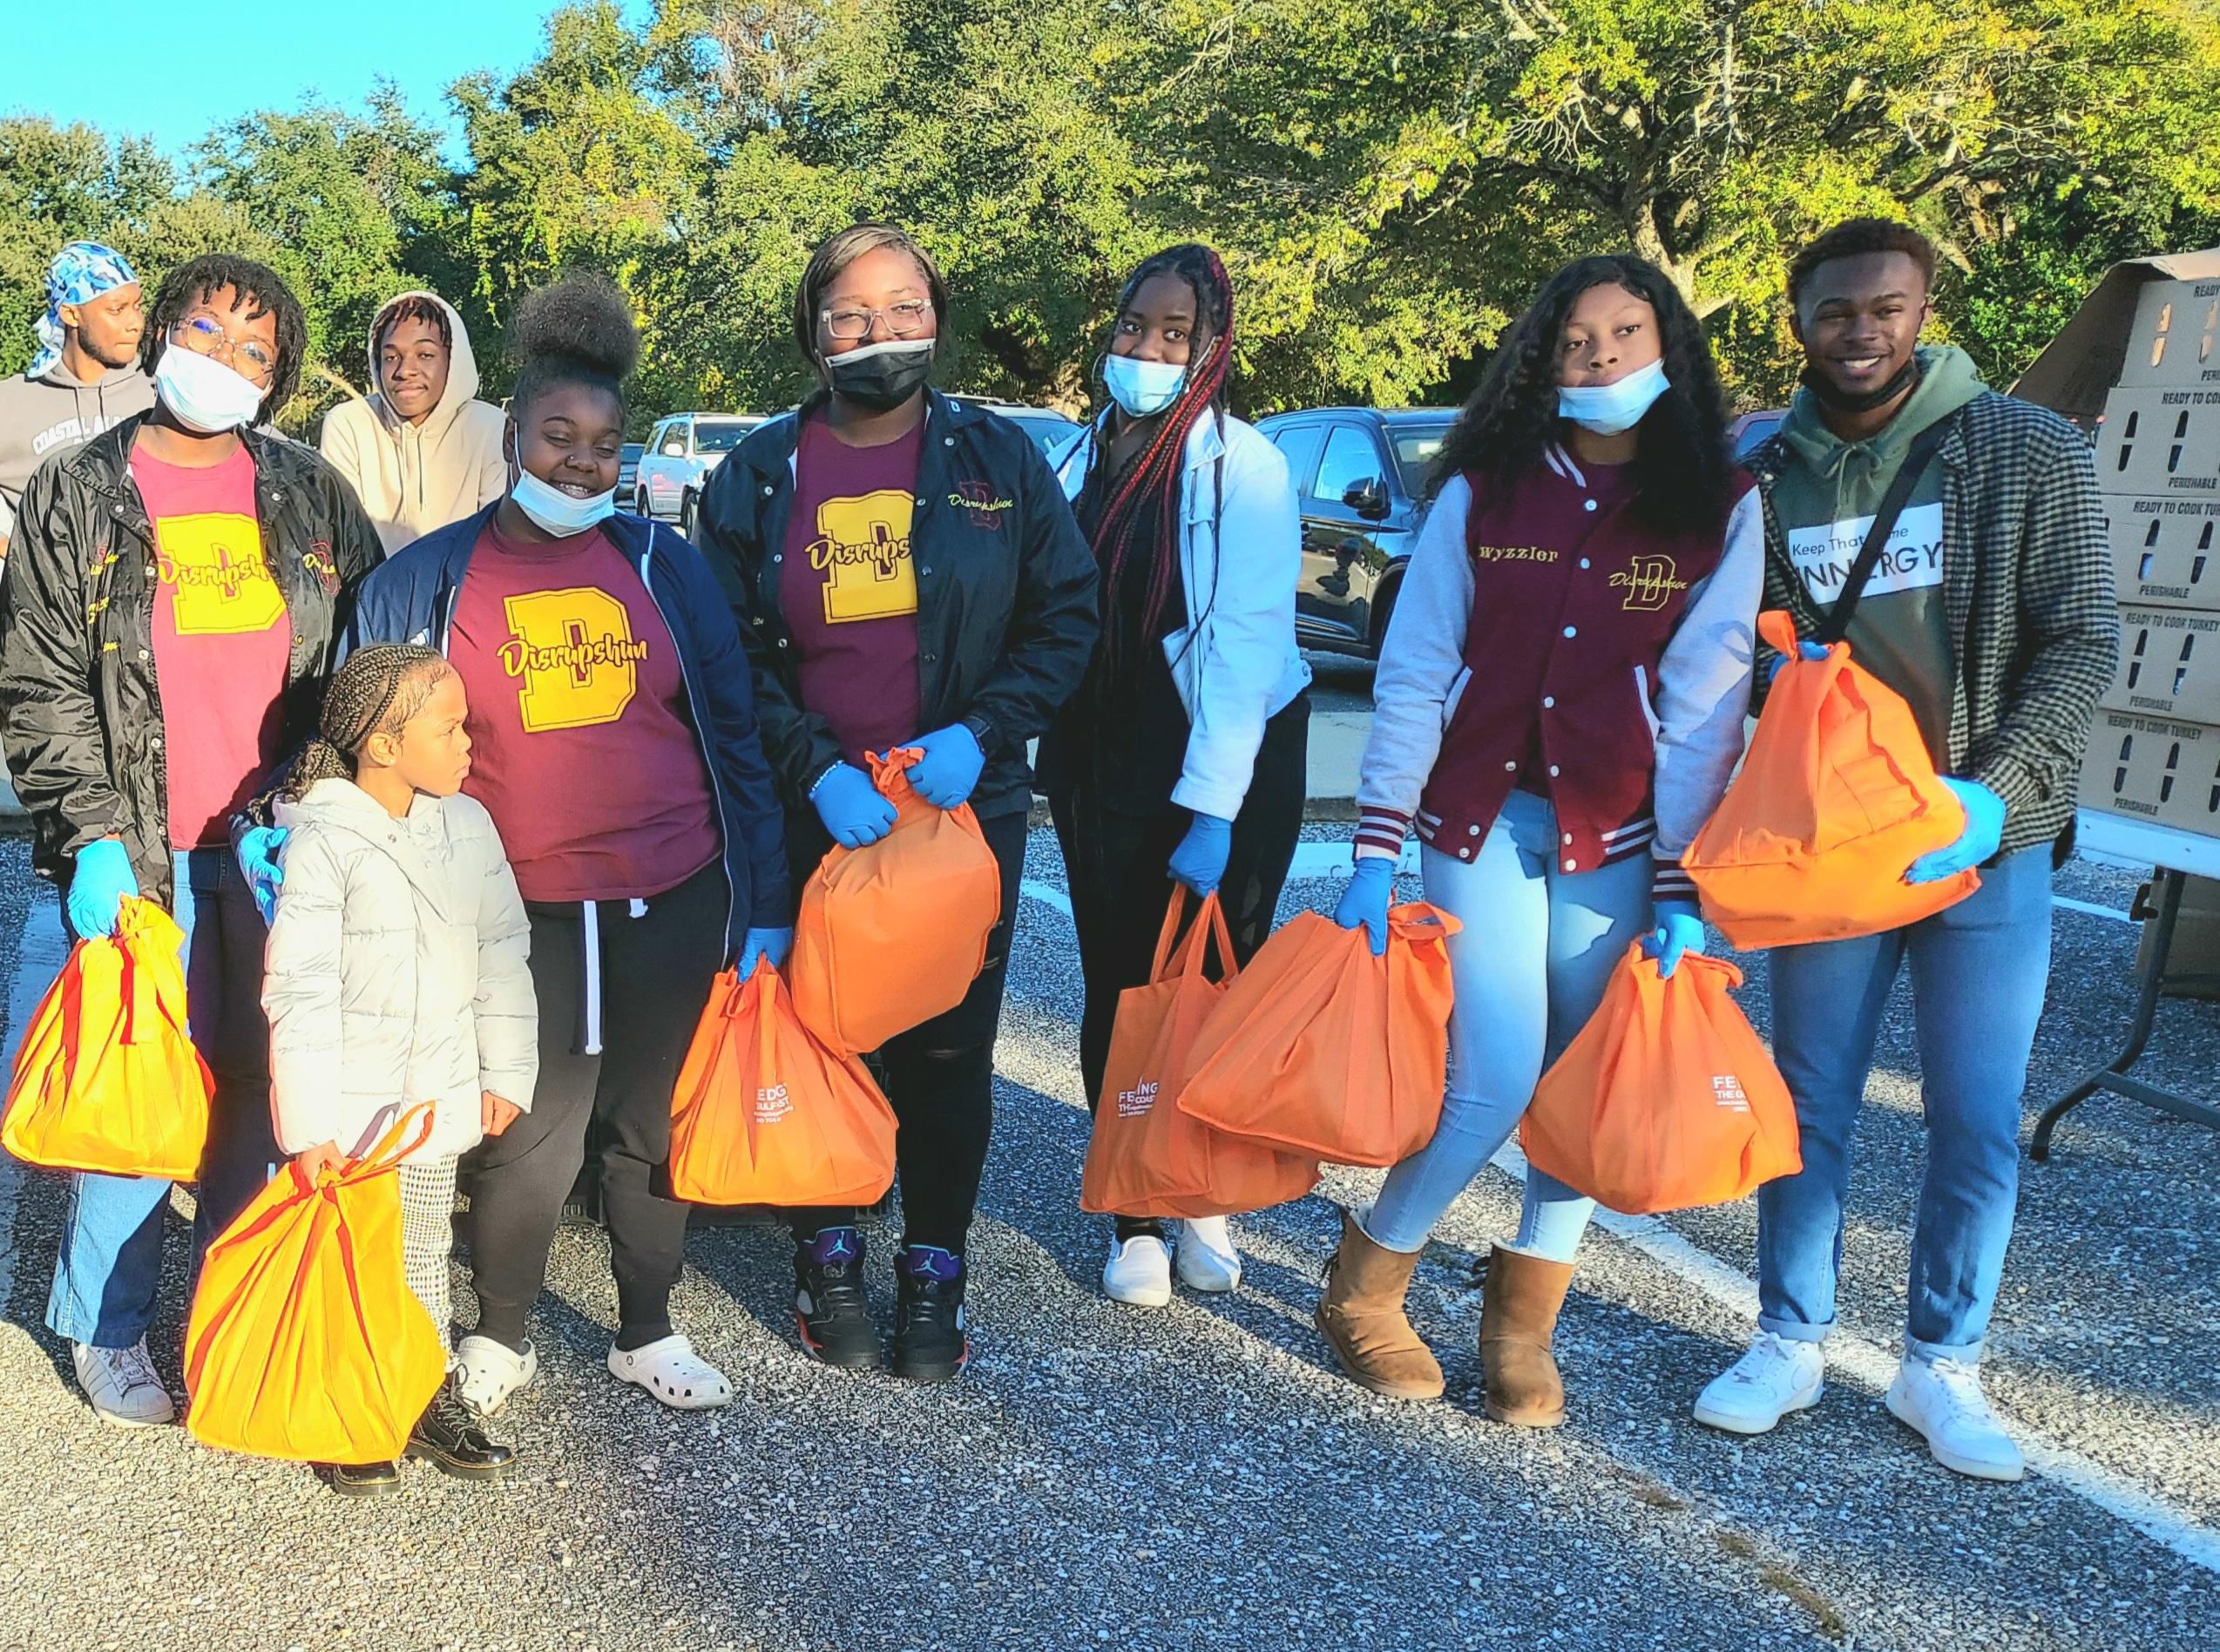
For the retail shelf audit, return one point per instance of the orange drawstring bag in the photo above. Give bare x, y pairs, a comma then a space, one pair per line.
766, 1114
1321, 1048
894, 933
106, 1079
306, 1343
1146, 1157
1666, 1099
1835, 798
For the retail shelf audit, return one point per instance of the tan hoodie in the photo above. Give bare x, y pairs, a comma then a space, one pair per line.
413, 478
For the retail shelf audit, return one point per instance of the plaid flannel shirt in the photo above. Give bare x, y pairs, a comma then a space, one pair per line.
2028, 585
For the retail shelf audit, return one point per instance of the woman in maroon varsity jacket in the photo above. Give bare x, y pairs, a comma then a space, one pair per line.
1557, 710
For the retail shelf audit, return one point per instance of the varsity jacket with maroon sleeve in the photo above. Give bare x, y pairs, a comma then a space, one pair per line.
1552, 638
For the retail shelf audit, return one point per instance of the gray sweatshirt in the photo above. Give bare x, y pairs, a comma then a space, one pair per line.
42, 416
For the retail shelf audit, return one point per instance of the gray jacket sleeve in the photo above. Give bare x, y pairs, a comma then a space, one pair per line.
506, 1011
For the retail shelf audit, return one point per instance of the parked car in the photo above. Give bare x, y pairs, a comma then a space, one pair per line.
1045, 425
1752, 430
1360, 479
628, 474
682, 451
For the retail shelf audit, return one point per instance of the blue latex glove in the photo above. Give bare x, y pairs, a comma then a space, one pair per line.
770, 945
945, 775
258, 847
1364, 903
102, 877
1680, 929
1984, 830
1805, 651
854, 811
1200, 860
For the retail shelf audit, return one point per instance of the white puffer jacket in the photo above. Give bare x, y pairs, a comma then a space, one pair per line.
396, 973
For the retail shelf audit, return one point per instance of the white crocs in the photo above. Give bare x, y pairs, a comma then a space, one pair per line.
487, 1372
671, 1371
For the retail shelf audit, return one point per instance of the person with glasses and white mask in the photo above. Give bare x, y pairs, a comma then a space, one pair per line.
906, 574
165, 632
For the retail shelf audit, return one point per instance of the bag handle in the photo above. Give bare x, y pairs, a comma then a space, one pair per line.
1182, 955
153, 985
1831, 629
388, 1152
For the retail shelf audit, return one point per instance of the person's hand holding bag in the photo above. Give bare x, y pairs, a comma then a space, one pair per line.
1984, 831
1679, 931
1804, 651
950, 765
854, 811
258, 852
1200, 860
765, 946
97, 884
1364, 903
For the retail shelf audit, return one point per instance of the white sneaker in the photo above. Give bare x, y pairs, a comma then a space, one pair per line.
122, 1386
488, 1371
1942, 1399
1207, 1258
1138, 1271
670, 1370
1775, 1377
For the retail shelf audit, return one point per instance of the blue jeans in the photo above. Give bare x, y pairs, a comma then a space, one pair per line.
110, 1265
1978, 973
1530, 965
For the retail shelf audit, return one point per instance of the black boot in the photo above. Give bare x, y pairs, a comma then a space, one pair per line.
365, 1480
448, 1437
930, 1345
829, 1306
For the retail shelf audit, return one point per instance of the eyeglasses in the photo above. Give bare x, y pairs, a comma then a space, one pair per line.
902, 320
247, 357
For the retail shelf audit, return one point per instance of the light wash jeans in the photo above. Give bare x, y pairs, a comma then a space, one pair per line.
1530, 965
1978, 973
108, 1269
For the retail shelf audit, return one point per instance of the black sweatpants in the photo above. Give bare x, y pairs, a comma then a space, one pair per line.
1117, 867
653, 963
939, 1080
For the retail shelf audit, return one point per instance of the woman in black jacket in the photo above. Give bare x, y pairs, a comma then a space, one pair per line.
906, 574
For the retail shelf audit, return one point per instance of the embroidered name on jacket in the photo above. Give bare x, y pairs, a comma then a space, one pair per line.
1514, 554
1648, 583
863, 549
574, 653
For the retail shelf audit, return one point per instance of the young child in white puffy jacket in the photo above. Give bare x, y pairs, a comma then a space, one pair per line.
396, 977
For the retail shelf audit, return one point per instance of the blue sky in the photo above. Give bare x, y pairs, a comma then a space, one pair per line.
105, 62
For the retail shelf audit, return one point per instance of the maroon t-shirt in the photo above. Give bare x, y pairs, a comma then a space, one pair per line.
850, 589
222, 638
583, 746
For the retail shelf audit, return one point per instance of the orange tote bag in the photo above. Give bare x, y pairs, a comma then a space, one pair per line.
1321, 1048
1148, 1158
1836, 799
766, 1114
894, 933
1666, 1099
106, 1079
306, 1343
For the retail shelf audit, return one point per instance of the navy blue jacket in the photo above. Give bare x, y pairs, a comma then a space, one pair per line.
411, 598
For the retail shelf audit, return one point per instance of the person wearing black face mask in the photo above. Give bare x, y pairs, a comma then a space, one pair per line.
907, 574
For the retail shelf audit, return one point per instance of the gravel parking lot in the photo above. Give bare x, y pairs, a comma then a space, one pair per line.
1199, 1477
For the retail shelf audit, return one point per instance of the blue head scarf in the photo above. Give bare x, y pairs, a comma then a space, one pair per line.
80, 272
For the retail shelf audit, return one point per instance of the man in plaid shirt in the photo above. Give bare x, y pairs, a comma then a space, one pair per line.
1991, 612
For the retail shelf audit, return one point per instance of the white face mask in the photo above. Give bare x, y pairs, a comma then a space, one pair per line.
557, 513
204, 394
1143, 388
1611, 410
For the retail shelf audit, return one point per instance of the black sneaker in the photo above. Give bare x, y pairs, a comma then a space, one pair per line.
365, 1480
829, 1307
448, 1436
930, 1345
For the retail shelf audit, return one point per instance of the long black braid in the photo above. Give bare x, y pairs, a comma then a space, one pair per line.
375, 692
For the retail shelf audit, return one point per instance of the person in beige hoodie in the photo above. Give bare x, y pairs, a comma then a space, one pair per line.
422, 451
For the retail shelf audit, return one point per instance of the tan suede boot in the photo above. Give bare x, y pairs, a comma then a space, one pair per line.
1361, 1317
1519, 1308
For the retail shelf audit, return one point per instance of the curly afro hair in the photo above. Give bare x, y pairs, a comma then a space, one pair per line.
1854, 236
579, 331
1682, 467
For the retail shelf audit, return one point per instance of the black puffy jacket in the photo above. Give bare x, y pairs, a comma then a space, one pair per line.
80, 711
1005, 592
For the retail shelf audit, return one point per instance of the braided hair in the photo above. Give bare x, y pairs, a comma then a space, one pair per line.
1146, 498
376, 692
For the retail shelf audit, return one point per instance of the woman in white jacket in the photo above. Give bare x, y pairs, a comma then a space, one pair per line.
397, 977
1181, 756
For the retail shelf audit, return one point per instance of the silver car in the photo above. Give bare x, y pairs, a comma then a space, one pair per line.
682, 451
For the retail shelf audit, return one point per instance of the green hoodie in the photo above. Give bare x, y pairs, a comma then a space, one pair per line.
1825, 499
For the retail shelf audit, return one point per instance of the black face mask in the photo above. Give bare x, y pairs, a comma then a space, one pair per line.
1833, 397
881, 378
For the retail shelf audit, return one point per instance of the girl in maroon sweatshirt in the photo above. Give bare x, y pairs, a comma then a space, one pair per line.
1557, 711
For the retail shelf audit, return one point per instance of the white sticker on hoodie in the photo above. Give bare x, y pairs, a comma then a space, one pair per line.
1912, 559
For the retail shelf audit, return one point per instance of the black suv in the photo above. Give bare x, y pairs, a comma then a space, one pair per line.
1360, 474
